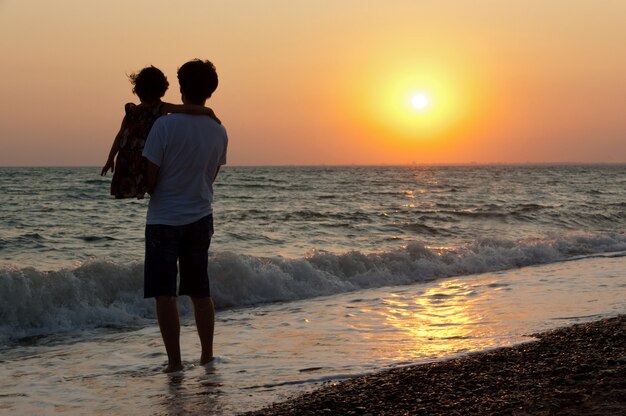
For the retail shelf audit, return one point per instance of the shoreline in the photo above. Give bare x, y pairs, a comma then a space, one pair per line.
576, 370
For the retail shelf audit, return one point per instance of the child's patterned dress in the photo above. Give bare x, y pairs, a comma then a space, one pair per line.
128, 178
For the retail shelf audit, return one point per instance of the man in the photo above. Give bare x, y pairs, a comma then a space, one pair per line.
184, 154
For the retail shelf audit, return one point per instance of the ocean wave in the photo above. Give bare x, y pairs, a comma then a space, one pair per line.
95, 294
95, 238
102, 293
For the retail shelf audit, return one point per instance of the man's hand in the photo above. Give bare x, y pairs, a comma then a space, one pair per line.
151, 175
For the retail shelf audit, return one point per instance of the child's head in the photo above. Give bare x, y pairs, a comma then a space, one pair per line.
150, 84
198, 80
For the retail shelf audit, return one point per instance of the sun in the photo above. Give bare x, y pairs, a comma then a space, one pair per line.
408, 101
420, 101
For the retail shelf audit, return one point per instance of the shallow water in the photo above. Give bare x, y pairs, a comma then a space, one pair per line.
269, 352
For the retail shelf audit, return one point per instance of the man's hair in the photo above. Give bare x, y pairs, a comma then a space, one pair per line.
198, 80
150, 83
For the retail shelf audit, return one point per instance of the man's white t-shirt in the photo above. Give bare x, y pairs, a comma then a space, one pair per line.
188, 150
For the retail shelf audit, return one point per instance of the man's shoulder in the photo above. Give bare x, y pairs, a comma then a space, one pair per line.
183, 118
169, 121
170, 118
175, 124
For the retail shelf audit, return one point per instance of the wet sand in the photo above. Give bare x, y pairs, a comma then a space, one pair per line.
577, 370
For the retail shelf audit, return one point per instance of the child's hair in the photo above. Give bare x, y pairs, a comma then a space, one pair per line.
150, 83
198, 80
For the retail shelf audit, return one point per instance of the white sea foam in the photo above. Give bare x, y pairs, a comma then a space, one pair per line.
95, 294
103, 293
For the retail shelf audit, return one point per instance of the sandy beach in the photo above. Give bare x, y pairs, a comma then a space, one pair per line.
577, 370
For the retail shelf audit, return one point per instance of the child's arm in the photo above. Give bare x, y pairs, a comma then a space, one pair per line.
198, 110
115, 147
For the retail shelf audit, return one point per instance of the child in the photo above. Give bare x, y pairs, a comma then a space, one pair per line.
150, 85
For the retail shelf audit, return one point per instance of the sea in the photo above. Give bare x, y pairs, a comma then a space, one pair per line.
318, 274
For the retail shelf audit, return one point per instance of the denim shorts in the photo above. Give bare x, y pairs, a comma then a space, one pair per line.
187, 245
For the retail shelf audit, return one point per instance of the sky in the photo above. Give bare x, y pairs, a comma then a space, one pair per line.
326, 82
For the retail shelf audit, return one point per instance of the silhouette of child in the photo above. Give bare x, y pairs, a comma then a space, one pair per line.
150, 85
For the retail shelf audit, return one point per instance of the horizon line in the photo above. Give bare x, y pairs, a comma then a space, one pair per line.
441, 164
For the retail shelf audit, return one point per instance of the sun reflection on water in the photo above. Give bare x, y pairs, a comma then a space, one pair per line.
441, 320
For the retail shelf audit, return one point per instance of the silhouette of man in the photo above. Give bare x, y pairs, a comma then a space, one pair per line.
184, 154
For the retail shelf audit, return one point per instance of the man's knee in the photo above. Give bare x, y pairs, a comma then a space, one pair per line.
165, 300
202, 303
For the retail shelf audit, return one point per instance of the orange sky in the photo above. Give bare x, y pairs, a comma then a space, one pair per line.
326, 81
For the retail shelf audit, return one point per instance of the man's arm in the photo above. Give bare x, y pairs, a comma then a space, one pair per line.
216, 172
152, 174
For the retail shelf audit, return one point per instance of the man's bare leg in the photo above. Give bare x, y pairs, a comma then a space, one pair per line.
204, 312
169, 323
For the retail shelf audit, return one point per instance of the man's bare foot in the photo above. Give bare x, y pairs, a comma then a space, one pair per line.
173, 368
205, 359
